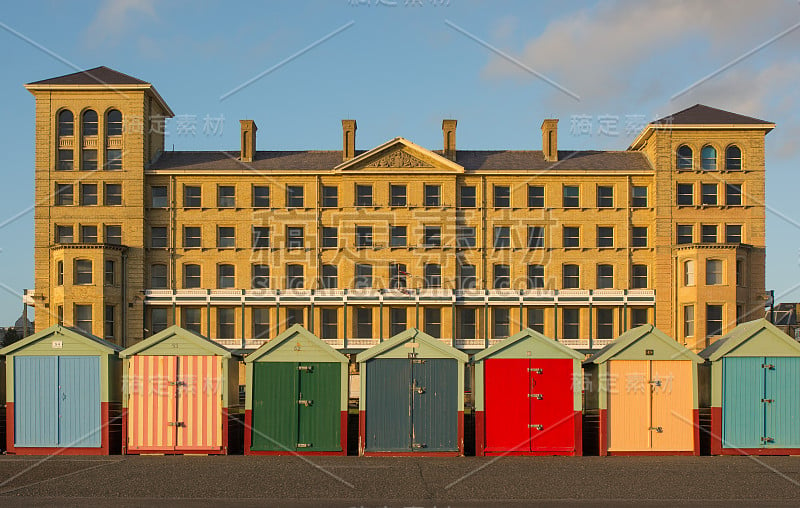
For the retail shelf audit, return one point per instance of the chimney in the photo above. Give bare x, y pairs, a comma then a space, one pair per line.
449, 133
550, 139
348, 139
248, 140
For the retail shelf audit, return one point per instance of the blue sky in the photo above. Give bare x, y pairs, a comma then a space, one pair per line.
399, 66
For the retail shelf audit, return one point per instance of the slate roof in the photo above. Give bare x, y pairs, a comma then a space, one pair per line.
98, 76
702, 114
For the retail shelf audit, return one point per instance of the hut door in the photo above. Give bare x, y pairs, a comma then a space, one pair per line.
552, 405
781, 402
274, 406
198, 397
671, 413
79, 422
507, 410
628, 405
152, 417
742, 406
434, 410
388, 405
319, 406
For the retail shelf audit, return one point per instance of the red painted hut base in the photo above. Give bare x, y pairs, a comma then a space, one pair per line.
718, 449
183, 450
362, 439
103, 449
604, 451
480, 440
248, 439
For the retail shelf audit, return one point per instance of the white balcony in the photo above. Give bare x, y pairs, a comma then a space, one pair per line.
362, 343
469, 343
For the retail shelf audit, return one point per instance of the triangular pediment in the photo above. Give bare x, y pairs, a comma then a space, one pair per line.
399, 153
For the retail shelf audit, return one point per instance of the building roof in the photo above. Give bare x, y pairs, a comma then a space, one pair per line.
518, 160
201, 343
643, 333
535, 338
702, 114
412, 335
98, 76
296, 333
75, 334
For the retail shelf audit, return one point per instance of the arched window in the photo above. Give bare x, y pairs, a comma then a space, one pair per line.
688, 273
708, 158
733, 158
684, 157
114, 123
66, 123
89, 123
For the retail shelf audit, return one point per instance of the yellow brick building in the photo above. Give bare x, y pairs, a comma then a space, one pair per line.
467, 245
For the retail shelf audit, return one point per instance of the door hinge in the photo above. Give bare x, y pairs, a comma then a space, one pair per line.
306, 368
537, 396
305, 402
767, 400
418, 361
420, 445
768, 366
175, 424
535, 426
535, 371
657, 429
767, 440
304, 445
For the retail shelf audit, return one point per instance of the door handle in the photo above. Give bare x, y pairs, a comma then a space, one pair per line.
767, 400
657, 429
305, 402
63, 396
536, 426
537, 396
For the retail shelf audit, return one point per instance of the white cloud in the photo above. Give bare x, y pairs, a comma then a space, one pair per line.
114, 18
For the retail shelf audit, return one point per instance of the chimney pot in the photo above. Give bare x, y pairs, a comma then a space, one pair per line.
449, 134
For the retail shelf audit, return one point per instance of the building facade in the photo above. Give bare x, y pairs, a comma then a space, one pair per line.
469, 246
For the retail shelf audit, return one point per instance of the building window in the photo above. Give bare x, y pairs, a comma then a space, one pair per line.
330, 323
502, 196
535, 196
192, 197
685, 233
605, 196
605, 236
158, 236
113, 159
466, 277
226, 276
330, 277
502, 237
536, 319
83, 271
158, 276
397, 320
639, 236
294, 316
708, 158
88, 194
605, 276
571, 277
260, 196
330, 196
191, 237
63, 194
113, 194
83, 318
397, 236
108, 274
535, 276
89, 234
571, 237
114, 123
713, 272
363, 328
572, 323
260, 276
433, 321
502, 277
571, 196
433, 195
639, 196
733, 158
501, 322
709, 194
733, 233
733, 194
191, 276
433, 275
688, 320
535, 237
294, 196
466, 237
260, 237
108, 324
191, 319
639, 276
709, 233
713, 320
363, 279
638, 317
688, 273
685, 194
60, 273
113, 235
60, 314
330, 237
363, 236
66, 160
63, 234
158, 196
685, 157
398, 195
89, 160
432, 236
397, 276
466, 323
294, 237
363, 195
66, 123
740, 272
89, 123
226, 323
226, 196
226, 237
294, 277
467, 196
158, 319
605, 323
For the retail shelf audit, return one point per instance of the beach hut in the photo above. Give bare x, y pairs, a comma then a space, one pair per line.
644, 387
180, 392
754, 391
296, 396
412, 397
62, 394
528, 397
